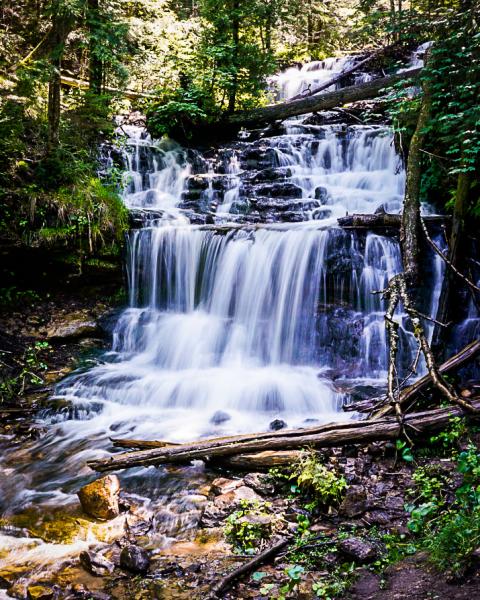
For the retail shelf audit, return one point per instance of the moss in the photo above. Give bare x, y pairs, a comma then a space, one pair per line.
62, 527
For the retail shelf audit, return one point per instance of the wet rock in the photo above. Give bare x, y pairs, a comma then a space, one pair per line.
277, 424
74, 325
321, 194
82, 593
220, 417
96, 564
222, 485
40, 592
358, 550
271, 175
354, 502
259, 483
235, 496
276, 190
197, 183
99, 499
134, 559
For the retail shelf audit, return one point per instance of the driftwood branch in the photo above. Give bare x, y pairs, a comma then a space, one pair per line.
331, 435
437, 250
397, 291
227, 581
453, 363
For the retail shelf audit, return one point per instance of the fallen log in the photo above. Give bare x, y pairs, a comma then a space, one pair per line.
362, 91
258, 461
122, 443
224, 584
454, 362
333, 434
340, 76
379, 220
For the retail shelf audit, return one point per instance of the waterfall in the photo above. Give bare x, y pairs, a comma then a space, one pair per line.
257, 316
246, 304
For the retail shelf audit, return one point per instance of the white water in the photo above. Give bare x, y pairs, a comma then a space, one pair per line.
302, 80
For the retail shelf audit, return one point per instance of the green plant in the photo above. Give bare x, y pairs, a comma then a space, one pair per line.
28, 370
405, 451
314, 479
448, 525
250, 525
294, 576
337, 582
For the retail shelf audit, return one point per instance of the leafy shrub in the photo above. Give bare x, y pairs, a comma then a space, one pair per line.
448, 523
179, 115
249, 526
314, 479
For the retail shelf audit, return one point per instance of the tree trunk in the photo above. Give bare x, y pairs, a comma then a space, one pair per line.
95, 67
54, 106
235, 41
410, 229
363, 91
451, 299
61, 26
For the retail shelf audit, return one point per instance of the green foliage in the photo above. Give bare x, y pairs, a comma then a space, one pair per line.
452, 78
180, 115
315, 480
404, 450
446, 519
32, 365
336, 584
446, 441
248, 526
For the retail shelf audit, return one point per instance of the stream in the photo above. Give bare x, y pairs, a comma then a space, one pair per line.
249, 308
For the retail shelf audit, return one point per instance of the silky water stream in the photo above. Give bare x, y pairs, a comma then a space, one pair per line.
247, 303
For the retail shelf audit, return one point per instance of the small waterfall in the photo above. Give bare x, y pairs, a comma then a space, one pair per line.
303, 79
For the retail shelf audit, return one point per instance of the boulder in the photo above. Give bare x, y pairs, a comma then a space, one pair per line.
40, 592
235, 496
220, 417
72, 326
99, 499
259, 483
321, 193
96, 564
359, 550
134, 559
277, 424
276, 190
354, 502
222, 485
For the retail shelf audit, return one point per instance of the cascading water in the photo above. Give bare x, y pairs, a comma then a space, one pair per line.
247, 302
